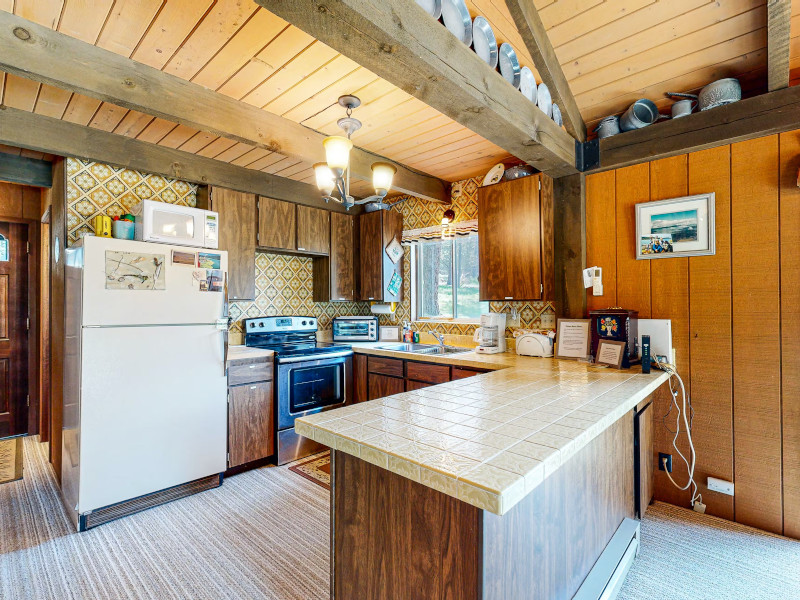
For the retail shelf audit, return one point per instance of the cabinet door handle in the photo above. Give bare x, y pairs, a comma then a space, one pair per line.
509, 298
299, 248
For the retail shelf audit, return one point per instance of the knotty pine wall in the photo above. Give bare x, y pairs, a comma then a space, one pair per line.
735, 317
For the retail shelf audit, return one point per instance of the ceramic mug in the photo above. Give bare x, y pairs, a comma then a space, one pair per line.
683, 107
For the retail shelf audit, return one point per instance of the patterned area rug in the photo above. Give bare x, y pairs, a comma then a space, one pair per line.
317, 469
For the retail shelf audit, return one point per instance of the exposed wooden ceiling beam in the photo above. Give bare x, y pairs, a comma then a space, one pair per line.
47, 56
46, 134
779, 18
533, 33
24, 170
767, 114
399, 42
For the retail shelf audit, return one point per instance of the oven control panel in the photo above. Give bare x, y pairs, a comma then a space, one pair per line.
277, 324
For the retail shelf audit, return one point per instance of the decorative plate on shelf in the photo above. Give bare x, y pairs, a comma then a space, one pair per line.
494, 175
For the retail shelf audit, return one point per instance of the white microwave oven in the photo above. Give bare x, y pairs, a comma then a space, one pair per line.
175, 224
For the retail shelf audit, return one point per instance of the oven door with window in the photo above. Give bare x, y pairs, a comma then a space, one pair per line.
310, 386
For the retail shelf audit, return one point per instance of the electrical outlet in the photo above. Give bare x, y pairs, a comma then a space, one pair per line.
661, 457
720, 485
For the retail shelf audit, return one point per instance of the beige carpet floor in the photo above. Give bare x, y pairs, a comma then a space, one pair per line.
264, 535
689, 556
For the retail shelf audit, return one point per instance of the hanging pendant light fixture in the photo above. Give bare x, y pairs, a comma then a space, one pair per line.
334, 173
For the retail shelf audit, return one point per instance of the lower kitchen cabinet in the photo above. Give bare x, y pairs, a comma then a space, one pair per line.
416, 385
251, 412
251, 423
463, 373
643, 455
379, 386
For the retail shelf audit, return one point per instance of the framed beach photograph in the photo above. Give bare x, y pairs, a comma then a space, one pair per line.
676, 227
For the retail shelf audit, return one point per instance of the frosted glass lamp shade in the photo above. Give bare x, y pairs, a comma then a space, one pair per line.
337, 153
382, 175
324, 177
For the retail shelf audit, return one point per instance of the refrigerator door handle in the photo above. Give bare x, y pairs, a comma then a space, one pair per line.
225, 352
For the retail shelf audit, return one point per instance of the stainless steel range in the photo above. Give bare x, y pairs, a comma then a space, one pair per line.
310, 377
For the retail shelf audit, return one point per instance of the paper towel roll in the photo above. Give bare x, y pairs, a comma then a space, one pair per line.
382, 309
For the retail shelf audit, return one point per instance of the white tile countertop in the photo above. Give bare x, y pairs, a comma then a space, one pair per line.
487, 440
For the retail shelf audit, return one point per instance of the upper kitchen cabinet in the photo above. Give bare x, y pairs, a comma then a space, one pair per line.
334, 275
515, 239
237, 235
313, 230
376, 231
292, 228
277, 224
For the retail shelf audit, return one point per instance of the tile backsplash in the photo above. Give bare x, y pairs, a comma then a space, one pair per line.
284, 286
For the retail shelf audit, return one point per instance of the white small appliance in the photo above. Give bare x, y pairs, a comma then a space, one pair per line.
491, 335
174, 224
535, 344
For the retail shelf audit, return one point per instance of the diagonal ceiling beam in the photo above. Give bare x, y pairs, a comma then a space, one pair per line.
779, 18
46, 134
399, 42
533, 33
47, 56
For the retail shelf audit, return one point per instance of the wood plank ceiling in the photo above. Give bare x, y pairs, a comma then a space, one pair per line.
612, 52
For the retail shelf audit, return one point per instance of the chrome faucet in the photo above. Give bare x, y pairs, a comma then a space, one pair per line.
439, 337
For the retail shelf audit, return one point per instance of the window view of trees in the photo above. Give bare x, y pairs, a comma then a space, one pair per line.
447, 279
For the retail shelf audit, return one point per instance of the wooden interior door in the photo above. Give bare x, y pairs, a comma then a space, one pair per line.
13, 328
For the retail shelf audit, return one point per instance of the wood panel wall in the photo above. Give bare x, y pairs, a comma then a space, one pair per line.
735, 318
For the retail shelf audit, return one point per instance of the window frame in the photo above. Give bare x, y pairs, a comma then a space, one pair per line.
416, 266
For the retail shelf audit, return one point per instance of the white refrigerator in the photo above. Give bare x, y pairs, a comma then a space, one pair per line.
145, 389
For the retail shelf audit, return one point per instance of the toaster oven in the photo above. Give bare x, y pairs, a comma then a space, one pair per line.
355, 329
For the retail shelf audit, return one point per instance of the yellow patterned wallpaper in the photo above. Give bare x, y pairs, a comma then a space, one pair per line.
284, 286
97, 189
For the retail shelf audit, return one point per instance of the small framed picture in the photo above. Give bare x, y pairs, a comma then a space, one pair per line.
610, 353
389, 333
573, 338
676, 227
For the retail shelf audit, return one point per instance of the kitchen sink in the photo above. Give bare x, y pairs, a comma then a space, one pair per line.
423, 348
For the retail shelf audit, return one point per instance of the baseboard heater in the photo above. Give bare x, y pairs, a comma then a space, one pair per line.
125, 508
605, 579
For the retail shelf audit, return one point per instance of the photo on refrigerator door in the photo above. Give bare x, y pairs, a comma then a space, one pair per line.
134, 271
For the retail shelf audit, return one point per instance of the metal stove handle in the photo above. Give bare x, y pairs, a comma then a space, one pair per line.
314, 357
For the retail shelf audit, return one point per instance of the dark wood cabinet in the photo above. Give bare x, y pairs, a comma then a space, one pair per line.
313, 230
289, 228
462, 372
376, 231
251, 423
251, 411
335, 275
416, 385
277, 224
237, 235
515, 223
379, 386
360, 378
427, 372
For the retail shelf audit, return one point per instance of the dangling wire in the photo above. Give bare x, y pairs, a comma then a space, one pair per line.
685, 411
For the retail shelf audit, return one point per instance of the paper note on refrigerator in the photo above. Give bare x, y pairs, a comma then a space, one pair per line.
134, 271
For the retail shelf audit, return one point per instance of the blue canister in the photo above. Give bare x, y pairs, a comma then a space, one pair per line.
124, 230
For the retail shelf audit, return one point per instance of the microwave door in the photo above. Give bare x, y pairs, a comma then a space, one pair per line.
173, 227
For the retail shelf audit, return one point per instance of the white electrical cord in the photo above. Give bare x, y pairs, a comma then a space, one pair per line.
683, 410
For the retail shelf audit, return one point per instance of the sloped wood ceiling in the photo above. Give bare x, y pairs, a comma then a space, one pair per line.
612, 52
